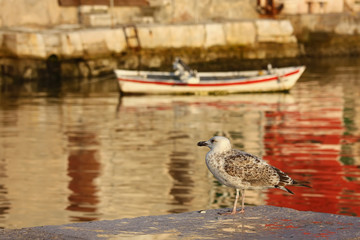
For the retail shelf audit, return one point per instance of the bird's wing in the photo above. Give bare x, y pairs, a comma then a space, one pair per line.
251, 169
284, 178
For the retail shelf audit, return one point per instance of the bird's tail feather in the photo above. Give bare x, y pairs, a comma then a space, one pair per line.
301, 184
284, 188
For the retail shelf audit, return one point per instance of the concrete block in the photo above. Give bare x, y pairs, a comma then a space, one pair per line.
92, 36
267, 28
93, 42
51, 39
102, 41
142, 19
115, 40
158, 3
25, 44
275, 31
85, 9
9, 42
154, 36
286, 27
187, 35
291, 6
274, 27
171, 36
52, 44
343, 28
309, 21
71, 44
97, 20
100, 8
214, 35
240, 33
1, 40
35, 45
88, 9
347, 27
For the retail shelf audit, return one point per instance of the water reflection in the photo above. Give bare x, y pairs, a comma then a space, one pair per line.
82, 155
83, 169
306, 142
183, 184
240, 117
55, 87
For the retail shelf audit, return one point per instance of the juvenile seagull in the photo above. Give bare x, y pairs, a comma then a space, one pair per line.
241, 170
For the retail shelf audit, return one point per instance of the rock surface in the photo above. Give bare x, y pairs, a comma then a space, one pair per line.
262, 222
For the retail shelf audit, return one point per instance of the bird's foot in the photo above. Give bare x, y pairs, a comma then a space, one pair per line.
233, 212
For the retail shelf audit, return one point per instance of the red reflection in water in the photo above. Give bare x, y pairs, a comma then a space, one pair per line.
83, 168
304, 139
307, 145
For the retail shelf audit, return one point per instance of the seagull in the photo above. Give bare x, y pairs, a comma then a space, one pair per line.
242, 170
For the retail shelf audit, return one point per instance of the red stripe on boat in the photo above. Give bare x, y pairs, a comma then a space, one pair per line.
241, 82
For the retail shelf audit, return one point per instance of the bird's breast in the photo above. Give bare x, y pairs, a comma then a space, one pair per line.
215, 165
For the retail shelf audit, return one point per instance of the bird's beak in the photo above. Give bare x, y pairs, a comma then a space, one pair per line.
202, 143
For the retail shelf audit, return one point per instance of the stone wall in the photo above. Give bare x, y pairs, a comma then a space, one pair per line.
328, 35
35, 13
48, 13
342, 24
92, 43
251, 39
312, 6
205, 10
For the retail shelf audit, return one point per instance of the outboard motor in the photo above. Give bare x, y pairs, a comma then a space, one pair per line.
185, 73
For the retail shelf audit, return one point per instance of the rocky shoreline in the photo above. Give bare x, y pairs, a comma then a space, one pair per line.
261, 222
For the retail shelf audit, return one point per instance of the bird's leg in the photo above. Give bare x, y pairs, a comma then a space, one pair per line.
236, 199
242, 200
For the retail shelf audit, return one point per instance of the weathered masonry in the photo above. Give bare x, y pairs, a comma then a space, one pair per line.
83, 38
99, 49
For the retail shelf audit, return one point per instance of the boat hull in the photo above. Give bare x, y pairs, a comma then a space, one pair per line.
282, 79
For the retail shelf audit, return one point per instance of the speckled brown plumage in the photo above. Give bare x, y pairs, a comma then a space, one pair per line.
241, 170
253, 170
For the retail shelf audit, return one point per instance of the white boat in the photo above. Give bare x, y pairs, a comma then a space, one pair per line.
185, 80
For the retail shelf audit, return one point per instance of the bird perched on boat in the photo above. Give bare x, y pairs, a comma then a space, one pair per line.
242, 170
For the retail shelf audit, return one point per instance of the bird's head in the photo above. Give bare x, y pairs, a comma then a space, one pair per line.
217, 144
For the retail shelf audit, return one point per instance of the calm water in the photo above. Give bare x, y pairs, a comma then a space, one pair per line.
79, 153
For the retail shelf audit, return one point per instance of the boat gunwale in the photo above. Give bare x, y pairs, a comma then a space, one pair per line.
285, 72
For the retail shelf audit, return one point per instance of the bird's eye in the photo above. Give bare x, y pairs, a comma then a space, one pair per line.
212, 140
